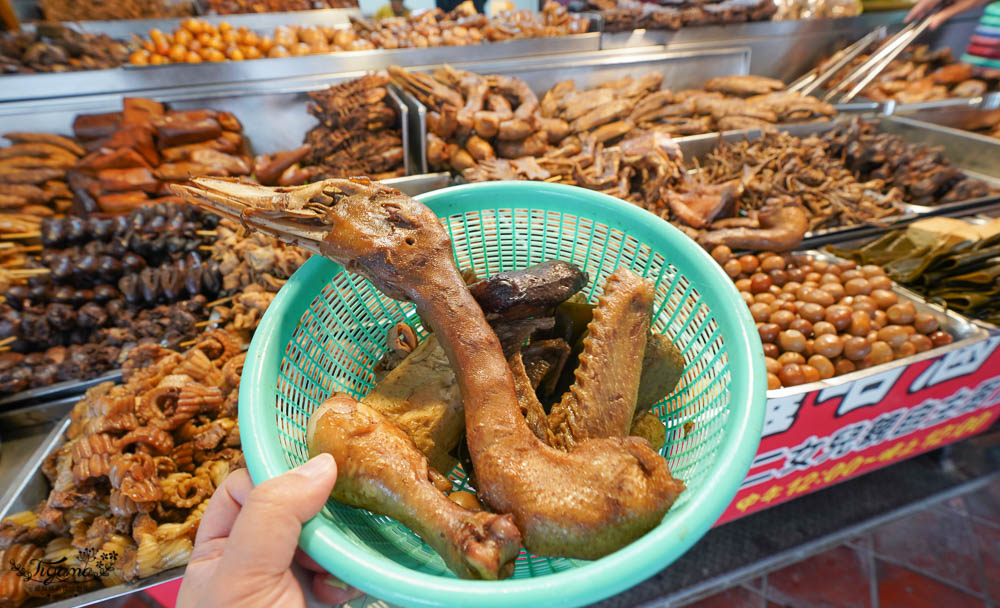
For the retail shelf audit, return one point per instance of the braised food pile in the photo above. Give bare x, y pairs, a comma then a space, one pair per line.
740, 181
57, 48
134, 155
103, 286
134, 476
949, 261
920, 172
561, 498
253, 266
437, 28
232, 7
196, 41
33, 179
473, 120
919, 74
104, 10
820, 319
628, 15
359, 134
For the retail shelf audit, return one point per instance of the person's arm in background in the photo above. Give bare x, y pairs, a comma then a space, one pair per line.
925, 7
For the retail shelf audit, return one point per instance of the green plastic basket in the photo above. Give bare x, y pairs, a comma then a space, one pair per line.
326, 328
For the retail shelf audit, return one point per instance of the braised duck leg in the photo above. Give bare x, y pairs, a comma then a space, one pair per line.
584, 503
380, 469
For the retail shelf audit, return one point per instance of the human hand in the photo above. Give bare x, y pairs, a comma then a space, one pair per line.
927, 6
248, 538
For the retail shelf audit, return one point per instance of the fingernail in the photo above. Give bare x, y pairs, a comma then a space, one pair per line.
333, 581
318, 465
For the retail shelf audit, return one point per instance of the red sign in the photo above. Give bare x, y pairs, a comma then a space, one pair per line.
816, 439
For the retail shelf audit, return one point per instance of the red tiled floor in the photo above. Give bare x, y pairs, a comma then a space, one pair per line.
934, 541
900, 587
838, 577
985, 504
734, 597
988, 539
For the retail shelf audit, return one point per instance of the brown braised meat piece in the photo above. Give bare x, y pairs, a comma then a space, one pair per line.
744, 86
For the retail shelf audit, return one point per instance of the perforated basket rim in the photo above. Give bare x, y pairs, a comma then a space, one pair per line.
596, 580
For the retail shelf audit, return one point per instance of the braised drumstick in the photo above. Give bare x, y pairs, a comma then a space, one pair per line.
584, 503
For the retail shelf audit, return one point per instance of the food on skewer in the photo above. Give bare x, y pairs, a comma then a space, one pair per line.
33, 179
359, 134
560, 501
134, 476
119, 281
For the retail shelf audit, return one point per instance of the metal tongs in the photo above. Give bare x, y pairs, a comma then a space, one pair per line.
862, 76
816, 77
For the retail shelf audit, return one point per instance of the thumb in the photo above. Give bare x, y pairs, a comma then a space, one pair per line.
266, 533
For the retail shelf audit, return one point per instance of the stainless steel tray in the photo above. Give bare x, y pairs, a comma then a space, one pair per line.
30, 487
59, 390
274, 117
973, 155
680, 70
965, 117
964, 331
274, 72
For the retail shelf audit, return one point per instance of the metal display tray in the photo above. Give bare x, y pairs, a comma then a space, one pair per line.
963, 117
273, 120
42, 404
267, 71
30, 488
975, 156
964, 331
680, 70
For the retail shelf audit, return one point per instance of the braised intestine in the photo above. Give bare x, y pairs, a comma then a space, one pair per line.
134, 476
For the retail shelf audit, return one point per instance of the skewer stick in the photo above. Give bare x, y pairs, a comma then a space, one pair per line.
21, 273
7, 341
206, 323
187, 343
22, 235
6, 245
4, 349
207, 232
204, 248
219, 301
